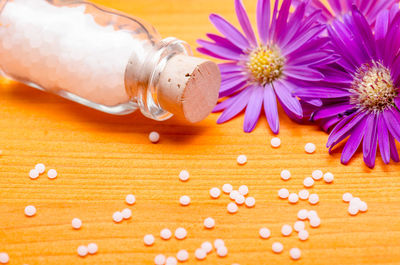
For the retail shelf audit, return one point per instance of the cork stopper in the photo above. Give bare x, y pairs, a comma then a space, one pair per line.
188, 87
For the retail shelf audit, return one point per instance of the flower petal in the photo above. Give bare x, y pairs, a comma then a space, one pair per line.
370, 141
303, 73
263, 19
235, 107
332, 110
283, 90
383, 139
231, 85
392, 118
253, 108
344, 126
228, 68
393, 149
220, 50
271, 108
245, 23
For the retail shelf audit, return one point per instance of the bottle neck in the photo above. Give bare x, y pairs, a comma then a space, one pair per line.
143, 73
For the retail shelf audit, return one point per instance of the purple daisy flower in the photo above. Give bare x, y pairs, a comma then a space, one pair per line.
362, 100
259, 74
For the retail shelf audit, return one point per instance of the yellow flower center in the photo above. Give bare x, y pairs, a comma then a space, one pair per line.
373, 87
265, 64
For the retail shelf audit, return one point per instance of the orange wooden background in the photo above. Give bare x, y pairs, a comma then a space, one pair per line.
101, 158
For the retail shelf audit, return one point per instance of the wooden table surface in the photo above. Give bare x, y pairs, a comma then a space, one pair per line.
101, 158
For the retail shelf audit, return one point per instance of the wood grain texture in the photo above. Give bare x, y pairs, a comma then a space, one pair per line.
101, 158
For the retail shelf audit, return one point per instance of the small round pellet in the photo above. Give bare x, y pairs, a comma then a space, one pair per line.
232, 207
295, 253
215, 193
353, 209
275, 142
347, 197
311, 214
180, 233
240, 199
303, 235
154, 137
299, 226
363, 207
82, 251
355, 201
182, 255
241, 159
117, 217
30, 210
207, 246
184, 200
308, 182
222, 251
283, 193
285, 174
171, 261
303, 194
309, 148
293, 198
234, 194
126, 213
328, 177
200, 254
264, 233
286, 230
52, 174
148, 240
40, 168
277, 247
184, 175
302, 214
315, 222
227, 188
313, 198
209, 223
159, 259
317, 174
243, 190
4, 258
76, 223
92, 248
130, 199
219, 243
250, 202
165, 234
33, 173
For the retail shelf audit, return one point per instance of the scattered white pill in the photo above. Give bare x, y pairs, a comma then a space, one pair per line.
117, 217
283, 193
222, 251
171, 261
148, 240
353, 209
241, 159
159, 259
309, 148
227, 188
311, 214
182, 255
234, 194
264, 233
126, 213
184, 200
76, 223
180, 233
52, 174
303, 235
30, 210
240, 199
328, 177
207, 246
215, 193
277, 247
209, 223
286, 230
200, 254
40, 168
347, 197
285, 174
275, 142
315, 222
293, 198
219, 243
317, 174
33, 173
313, 198
243, 190
355, 201
303, 194
232, 207
299, 226
308, 182
4, 258
184, 175
250, 202
302, 214
295, 253
82, 251
165, 234
154, 137
92, 248
363, 207
130, 199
